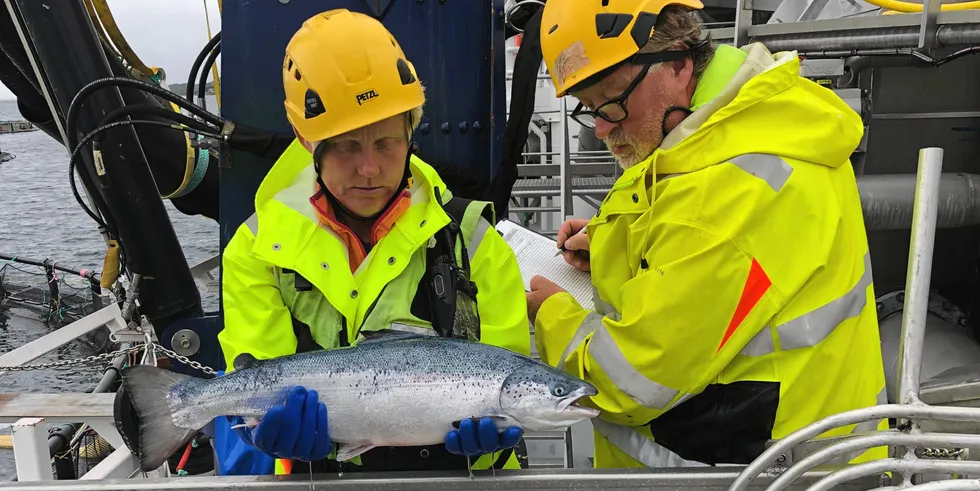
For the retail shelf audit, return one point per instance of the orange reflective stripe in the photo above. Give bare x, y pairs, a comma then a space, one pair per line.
755, 287
284, 466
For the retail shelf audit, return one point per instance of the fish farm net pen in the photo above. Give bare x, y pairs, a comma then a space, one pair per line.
56, 293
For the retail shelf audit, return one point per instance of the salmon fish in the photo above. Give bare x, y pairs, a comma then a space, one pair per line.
394, 389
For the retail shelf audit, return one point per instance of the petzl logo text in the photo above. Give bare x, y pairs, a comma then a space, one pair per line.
366, 96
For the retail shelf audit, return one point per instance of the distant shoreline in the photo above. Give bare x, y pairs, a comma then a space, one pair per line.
182, 88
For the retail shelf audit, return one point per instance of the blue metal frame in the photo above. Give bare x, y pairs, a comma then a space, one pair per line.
457, 48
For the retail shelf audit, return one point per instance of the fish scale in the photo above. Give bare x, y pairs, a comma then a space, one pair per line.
393, 390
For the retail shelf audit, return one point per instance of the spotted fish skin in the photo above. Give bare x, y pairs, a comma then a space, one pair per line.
395, 390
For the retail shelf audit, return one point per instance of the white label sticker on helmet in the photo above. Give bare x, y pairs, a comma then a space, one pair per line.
569, 61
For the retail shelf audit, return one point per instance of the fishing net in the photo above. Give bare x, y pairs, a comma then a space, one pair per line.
55, 297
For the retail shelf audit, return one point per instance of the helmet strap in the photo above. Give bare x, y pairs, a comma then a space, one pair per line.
667, 113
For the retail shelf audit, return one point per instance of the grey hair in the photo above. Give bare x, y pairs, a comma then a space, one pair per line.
679, 25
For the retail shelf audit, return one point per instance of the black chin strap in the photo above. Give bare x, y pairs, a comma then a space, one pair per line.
667, 113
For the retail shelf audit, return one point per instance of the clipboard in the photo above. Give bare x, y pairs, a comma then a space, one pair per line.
536, 256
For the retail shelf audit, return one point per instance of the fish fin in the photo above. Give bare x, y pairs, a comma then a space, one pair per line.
349, 451
243, 361
159, 438
384, 335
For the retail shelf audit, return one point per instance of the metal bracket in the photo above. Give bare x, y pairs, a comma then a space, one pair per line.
929, 27
202, 271
185, 342
810, 447
894, 302
109, 316
743, 21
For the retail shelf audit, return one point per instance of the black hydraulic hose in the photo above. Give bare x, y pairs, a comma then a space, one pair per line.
202, 84
197, 64
75, 152
156, 111
71, 122
111, 374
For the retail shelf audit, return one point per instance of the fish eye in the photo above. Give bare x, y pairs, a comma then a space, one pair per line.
558, 391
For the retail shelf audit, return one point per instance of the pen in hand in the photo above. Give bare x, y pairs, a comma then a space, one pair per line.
562, 248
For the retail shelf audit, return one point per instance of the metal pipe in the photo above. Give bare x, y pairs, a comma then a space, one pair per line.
566, 172
861, 443
892, 465
512, 480
873, 413
949, 485
111, 373
923, 240
875, 38
542, 140
888, 200
858, 64
84, 273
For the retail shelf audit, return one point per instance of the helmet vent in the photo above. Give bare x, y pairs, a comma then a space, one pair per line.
297, 75
642, 29
289, 66
611, 25
605, 3
553, 29
404, 72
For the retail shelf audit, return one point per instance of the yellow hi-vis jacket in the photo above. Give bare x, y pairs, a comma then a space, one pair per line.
733, 289
267, 316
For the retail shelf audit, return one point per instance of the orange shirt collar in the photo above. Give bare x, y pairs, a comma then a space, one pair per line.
381, 227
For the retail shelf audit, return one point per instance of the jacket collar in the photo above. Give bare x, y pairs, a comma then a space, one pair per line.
287, 222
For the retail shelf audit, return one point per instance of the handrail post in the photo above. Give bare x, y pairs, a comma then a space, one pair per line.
919, 273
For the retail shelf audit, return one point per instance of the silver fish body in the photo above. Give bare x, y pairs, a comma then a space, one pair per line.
397, 390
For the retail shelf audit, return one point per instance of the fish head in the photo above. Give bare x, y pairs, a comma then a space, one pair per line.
542, 398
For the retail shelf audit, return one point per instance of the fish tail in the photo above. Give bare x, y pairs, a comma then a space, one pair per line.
159, 438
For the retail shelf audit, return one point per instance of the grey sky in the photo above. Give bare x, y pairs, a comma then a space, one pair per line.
164, 33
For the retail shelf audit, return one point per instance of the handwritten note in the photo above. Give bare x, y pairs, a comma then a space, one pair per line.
536, 256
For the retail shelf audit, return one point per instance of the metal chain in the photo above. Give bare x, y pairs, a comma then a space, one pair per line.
185, 360
70, 363
942, 453
108, 357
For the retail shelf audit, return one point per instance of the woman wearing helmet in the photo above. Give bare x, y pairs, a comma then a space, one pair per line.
342, 243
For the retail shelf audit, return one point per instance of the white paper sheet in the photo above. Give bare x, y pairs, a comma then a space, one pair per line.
536, 256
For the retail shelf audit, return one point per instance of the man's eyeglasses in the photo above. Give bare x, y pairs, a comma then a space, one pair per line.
613, 110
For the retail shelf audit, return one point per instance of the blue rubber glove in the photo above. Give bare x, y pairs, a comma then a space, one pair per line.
474, 439
296, 430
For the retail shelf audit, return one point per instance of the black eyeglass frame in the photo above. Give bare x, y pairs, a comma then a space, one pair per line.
644, 59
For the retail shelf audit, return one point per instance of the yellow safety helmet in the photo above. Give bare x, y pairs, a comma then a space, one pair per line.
343, 70
582, 38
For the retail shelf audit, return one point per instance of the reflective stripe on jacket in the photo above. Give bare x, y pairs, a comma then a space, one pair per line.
733, 288
282, 246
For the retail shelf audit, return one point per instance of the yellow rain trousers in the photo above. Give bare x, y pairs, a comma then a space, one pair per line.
733, 289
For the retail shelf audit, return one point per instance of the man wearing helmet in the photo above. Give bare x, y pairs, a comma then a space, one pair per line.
732, 281
351, 241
